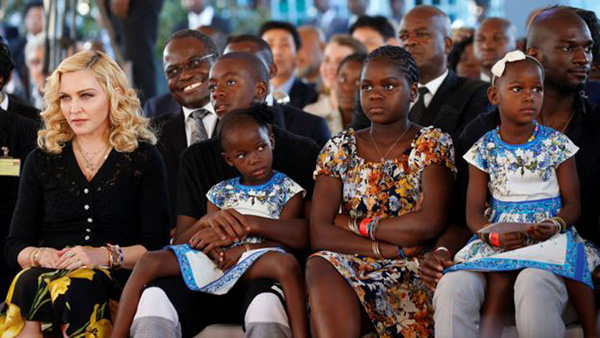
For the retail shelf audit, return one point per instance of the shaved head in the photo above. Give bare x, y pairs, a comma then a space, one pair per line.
443, 24
425, 33
561, 40
549, 22
253, 65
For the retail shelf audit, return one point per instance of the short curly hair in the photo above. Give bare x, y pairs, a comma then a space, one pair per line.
398, 57
126, 124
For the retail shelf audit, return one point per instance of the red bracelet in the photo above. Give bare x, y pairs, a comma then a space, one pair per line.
495, 239
363, 227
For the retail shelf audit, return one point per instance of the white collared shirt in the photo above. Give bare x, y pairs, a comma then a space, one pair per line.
433, 87
484, 77
4, 103
204, 18
284, 87
209, 121
327, 18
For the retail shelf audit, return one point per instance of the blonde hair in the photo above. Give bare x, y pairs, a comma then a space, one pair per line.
126, 124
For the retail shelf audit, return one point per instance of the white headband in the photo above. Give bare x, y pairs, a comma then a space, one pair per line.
517, 55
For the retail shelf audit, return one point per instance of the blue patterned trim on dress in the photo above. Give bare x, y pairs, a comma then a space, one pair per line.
532, 208
574, 267
229, 278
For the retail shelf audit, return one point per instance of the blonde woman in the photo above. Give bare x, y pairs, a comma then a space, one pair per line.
92, 200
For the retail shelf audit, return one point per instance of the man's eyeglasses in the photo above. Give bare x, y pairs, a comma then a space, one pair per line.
173, 72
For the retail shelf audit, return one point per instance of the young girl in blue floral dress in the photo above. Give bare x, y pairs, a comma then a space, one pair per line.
530, 172
260, 191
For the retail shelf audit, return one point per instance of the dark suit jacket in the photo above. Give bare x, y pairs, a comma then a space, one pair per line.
302, 94
304, 124
339, 25
19, 135
456, 103
218, 22
16, 106
160, 105
171, 143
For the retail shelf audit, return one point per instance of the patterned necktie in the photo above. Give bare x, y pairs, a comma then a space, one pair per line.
417, 111
198, 130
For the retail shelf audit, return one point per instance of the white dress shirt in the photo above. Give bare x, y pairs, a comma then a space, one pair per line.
203, 18
433, 87
209, 121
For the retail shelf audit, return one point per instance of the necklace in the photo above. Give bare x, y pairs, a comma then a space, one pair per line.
529, 139
90, 164
566, 125
568, 122
383, 157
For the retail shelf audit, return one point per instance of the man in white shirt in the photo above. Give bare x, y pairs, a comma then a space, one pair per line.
199, 14
446, 100
187, 58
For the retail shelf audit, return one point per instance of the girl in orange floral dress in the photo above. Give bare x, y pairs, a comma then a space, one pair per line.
393, 183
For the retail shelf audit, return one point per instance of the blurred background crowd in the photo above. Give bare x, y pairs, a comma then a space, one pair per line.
136, 30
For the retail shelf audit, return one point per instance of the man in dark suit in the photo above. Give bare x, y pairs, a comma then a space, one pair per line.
139, 20
284, 40
446, 100
168, 305
10, 102
296, 121
187, 58
163, 104
17, 139
199, 14
329, 19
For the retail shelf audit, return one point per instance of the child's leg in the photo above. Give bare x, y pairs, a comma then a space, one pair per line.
285, 269
585, 305
498, 297
152, 265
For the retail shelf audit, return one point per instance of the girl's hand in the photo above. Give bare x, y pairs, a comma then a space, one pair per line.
512, 240
207, 240
229, 257
541, 232
49, 258
78, 256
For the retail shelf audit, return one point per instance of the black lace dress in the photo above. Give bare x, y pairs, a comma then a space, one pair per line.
125, 203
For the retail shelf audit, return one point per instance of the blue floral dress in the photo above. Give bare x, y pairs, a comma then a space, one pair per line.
390, 290
524, 189
266, 200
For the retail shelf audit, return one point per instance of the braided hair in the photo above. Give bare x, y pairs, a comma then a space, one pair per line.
399, 58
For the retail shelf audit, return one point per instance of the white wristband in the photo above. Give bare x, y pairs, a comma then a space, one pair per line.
442, 248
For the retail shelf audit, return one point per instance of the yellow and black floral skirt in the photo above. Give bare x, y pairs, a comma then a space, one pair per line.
84, 301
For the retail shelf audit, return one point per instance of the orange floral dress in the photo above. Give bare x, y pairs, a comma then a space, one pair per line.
390, 290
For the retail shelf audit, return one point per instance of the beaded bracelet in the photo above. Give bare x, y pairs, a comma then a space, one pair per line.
117, 256
401, 253
484, 237
372, 227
